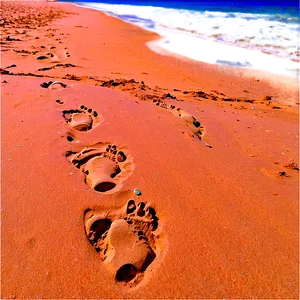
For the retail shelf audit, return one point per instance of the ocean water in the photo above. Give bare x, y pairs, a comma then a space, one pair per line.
248, 34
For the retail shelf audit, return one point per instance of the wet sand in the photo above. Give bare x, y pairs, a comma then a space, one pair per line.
139, 175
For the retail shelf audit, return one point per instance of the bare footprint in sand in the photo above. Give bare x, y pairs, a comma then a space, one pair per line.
191, 122
82, 119
53, 85
104, 166
124, 239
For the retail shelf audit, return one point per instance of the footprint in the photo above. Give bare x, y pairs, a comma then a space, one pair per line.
82, 119
53, 85
125, 240
104, 166
191, 122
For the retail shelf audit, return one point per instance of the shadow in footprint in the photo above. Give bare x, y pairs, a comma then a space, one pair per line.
124, 239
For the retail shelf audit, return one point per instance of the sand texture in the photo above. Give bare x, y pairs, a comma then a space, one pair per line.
130, 174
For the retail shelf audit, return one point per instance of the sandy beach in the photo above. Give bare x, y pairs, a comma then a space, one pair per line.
129, 174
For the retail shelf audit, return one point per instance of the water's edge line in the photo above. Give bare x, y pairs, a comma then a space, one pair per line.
155, 45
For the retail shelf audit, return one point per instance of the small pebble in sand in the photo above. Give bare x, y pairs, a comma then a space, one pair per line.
208, 146
137, 192
71, 173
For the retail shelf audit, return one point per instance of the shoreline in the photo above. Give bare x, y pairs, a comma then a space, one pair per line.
213, 151
275, 79
238, 50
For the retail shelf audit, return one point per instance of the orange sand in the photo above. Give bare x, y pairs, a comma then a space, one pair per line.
222, 197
